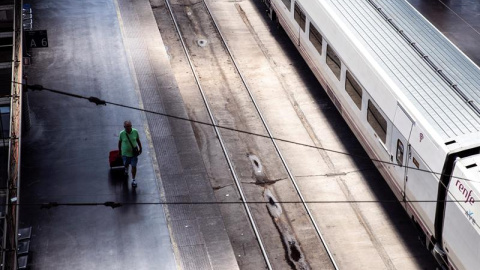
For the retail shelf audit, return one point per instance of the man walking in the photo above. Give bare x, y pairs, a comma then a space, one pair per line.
130, 147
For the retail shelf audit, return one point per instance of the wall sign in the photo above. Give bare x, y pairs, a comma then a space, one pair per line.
36, 39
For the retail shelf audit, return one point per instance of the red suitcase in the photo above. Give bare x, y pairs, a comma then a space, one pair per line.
115, 159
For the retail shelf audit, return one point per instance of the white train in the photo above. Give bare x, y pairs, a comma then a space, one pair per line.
410, 96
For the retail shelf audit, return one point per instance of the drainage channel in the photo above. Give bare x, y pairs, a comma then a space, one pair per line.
217, 132
292, 178
290, 243
294, 254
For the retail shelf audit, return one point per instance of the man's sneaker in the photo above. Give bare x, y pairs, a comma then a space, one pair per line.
134, 183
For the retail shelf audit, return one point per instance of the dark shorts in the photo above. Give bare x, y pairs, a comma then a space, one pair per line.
130, 161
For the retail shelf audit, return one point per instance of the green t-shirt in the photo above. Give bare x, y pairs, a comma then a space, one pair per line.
126, 146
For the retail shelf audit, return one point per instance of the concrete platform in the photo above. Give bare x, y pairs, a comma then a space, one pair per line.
65, 153
112, 49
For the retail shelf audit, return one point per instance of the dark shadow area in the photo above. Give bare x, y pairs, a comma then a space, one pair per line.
3, 169
126, 194
116, 176
378, 186
457, 20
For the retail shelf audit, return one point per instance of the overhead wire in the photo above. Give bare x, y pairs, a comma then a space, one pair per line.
98, 101
113, 205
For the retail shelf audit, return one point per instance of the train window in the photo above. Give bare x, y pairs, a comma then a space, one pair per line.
287, 3
333, 61
399, 153
354, 90
377, 121
316, 38
299, 16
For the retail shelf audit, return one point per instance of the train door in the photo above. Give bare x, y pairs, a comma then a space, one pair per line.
400, 147
301, 19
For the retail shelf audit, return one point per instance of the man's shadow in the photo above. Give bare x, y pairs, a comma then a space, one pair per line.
120, 183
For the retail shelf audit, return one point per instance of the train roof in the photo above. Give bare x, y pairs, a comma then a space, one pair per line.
434, 97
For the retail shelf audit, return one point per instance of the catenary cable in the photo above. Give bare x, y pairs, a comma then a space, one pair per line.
99, 101
48, 205
113, 205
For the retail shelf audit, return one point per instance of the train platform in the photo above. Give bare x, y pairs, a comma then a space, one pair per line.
112, 50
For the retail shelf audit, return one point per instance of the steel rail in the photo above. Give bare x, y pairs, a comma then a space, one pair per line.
292, 178
230, 165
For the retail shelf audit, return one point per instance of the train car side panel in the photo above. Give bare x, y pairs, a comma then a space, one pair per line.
461, 233
422, 190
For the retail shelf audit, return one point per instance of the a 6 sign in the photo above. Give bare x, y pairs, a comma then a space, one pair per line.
36, 39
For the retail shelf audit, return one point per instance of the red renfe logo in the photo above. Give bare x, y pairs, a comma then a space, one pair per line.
467, 193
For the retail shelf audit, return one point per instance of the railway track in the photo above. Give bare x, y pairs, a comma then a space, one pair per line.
296, 255
220, 139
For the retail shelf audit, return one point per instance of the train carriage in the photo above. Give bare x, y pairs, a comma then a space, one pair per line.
410, 97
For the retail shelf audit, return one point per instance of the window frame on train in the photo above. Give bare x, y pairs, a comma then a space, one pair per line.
314, 39
399, 153
331, 62
377, 121
288, 4
353, 89
299, 16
